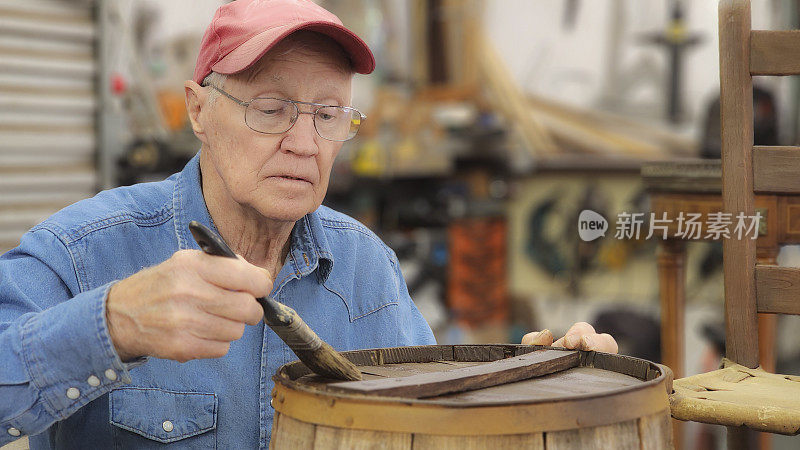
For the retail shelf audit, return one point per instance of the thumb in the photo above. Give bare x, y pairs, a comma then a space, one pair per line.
544, 337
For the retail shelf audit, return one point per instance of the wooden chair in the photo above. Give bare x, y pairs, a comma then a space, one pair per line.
741, 395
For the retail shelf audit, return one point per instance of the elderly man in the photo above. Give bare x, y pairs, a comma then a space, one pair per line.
116, 331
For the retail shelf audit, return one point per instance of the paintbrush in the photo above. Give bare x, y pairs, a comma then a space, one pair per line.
315, 353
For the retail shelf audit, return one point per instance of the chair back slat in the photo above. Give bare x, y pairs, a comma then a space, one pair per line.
776, 170
775, 52
778, 289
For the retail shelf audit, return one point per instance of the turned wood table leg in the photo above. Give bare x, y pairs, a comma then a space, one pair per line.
672, 282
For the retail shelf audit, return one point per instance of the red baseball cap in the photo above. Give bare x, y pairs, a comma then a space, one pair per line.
242, 31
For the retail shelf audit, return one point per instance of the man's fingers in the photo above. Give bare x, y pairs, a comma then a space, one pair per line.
231, 287
227, 273
238, 306
599, 343
572, 339
195, 348
190, 306
580, 336
237, 275
544, 337
214, 328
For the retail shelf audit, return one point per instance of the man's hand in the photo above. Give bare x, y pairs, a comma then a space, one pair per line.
188, 307
580, 336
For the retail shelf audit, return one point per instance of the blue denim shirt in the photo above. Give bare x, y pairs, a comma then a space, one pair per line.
61, 380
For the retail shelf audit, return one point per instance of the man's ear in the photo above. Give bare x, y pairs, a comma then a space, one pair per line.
196, 97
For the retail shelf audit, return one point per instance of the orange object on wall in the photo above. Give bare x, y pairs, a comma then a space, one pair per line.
477, 290
173, 108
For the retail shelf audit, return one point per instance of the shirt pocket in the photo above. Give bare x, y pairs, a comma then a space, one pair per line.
151, 417
360, 305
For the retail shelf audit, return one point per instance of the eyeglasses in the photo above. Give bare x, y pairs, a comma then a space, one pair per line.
275, 116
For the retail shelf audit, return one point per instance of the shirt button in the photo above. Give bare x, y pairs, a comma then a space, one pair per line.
111, 375
14, 432
93, 381
73, 393
167, 425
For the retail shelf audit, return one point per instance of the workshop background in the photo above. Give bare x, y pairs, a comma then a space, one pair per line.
491, 125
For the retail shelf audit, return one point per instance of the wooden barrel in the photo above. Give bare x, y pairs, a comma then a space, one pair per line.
476, 396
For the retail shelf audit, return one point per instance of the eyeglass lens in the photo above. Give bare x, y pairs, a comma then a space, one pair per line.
269, 115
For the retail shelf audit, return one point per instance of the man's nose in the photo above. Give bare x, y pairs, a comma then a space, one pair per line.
301, 139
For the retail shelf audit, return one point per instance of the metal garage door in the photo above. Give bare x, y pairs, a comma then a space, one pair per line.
47, 110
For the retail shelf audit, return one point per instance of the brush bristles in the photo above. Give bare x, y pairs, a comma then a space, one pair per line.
329, 363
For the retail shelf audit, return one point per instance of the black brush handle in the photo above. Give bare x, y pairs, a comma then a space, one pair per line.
211, 243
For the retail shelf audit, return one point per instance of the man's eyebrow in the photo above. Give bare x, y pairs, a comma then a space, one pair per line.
268, 80
255, 73
337, 98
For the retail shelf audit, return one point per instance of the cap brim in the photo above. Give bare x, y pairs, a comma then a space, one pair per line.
244, 56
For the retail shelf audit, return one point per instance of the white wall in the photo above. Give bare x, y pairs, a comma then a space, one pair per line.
181, 17
571, 65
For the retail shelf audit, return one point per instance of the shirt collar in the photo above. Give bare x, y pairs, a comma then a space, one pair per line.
308, 251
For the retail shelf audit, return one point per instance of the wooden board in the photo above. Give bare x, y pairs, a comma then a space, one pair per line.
778, 289
292, 433
655, 431
406, 369
775, 52
431, 384
619, 436
775, 169
557, 386
533, 441
329, 438
478, 353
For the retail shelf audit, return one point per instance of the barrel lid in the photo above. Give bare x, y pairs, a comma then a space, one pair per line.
388, 373
600, 389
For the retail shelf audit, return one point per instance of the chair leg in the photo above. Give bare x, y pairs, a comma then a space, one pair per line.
766, 341
742, 438
767, 324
